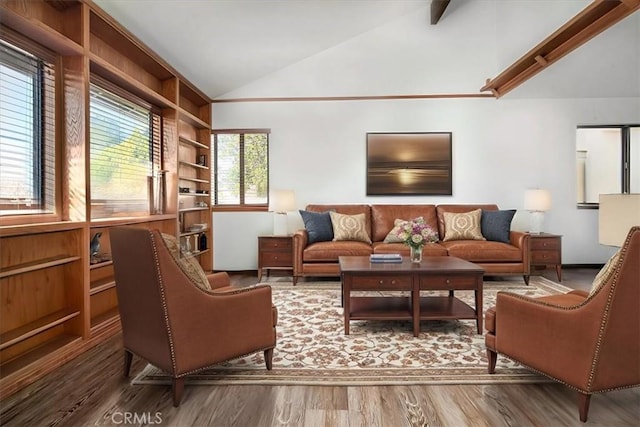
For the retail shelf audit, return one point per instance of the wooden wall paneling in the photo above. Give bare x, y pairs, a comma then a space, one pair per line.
74, 138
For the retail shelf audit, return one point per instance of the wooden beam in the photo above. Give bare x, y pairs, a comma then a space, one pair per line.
591, 21
437, 9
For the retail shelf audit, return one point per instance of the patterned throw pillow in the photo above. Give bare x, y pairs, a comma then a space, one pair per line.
188, 264
318, 226
603, 275
462, 226
392, 237
349, 227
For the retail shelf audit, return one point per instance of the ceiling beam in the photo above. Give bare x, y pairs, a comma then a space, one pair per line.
591, 21
437, 9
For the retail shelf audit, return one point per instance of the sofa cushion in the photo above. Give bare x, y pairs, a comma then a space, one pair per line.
463, 226
330, 251
430, 249
346, 210
496, 225
383, 217
603, 275
349, 227
483, 251
188, 264
318, 226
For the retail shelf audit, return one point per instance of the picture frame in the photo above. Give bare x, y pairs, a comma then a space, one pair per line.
409, 163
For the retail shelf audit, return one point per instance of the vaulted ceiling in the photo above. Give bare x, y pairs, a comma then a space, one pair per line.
223, 45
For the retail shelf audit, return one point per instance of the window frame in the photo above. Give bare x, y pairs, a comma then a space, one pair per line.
625, 160
157, 162
242, 207
51, 129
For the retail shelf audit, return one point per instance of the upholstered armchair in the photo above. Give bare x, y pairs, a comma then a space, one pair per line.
179, 326
587, 341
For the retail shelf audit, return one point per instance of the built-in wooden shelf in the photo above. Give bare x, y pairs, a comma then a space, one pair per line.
193, 120
101, 264
101, 285
111, 222
104, 319
37, 265
25, 359
194, 194
194, 165
192, 233
194, 143
201, 181
196, 253
194, 209
31, 329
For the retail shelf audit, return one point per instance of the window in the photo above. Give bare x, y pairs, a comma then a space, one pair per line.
241, 170
124, 154
607, 161
27, 132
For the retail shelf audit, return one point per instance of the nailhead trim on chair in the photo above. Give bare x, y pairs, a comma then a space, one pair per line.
164, 303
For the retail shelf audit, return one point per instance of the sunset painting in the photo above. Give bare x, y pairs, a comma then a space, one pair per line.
409, 163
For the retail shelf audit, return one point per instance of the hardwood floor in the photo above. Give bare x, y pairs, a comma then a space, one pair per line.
90, 390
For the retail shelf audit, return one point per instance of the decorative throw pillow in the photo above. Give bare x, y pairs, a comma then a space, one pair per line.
392, 237
462, 226
349, 227
603, 275
495, 225
318, 225
188, 264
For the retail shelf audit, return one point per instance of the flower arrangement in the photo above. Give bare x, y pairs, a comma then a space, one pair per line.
417, 233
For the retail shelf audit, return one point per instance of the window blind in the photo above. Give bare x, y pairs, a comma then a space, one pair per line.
27, 132
124, 154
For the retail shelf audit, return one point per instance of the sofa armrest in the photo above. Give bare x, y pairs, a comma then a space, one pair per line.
521, 240
300, 241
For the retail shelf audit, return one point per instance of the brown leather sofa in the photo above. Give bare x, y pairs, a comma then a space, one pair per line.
321, 258
590, 343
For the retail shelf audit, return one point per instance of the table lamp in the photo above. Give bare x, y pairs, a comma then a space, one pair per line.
280, 202
618, 213
537, 201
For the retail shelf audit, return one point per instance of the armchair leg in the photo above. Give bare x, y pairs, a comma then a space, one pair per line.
492, 356
268, 358
583, 406
526, 279
177, 387
128, 356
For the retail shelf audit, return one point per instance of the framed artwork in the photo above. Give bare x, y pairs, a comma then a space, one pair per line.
409, 164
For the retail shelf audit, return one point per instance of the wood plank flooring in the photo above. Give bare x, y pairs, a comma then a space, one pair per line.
90, 391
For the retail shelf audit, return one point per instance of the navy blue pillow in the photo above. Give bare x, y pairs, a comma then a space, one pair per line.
318, 225
495, 225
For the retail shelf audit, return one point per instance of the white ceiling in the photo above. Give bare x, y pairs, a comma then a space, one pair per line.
223, 45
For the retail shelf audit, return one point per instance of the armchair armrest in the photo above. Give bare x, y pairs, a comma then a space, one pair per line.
548, 337
215, 327
218, 280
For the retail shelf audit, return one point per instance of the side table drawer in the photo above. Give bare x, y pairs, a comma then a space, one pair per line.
547, 244
448, 282
275, 244
382, 283
276, 259
545, 257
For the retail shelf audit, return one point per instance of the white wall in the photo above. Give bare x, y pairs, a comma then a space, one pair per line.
500, 148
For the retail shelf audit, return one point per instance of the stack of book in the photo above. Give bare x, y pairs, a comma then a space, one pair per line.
385, 258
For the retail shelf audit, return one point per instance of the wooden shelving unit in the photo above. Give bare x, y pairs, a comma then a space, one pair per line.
54, 302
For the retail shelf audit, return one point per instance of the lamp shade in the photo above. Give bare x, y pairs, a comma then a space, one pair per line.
282, 201
537, 200
618, 213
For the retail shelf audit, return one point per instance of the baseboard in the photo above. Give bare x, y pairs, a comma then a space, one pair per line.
582, 265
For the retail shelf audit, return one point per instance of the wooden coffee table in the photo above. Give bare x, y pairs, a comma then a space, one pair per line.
433, 273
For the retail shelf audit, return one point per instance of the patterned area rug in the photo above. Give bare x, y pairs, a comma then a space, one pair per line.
313, 350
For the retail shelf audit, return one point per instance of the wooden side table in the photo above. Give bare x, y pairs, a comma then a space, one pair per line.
274, 253
546, 250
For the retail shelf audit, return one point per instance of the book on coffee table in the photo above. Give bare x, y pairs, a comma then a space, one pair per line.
385, 258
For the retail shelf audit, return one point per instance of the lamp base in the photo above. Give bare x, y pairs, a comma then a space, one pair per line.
280, 224
537, 221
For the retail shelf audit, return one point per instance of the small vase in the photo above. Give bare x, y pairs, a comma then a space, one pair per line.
416, 254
